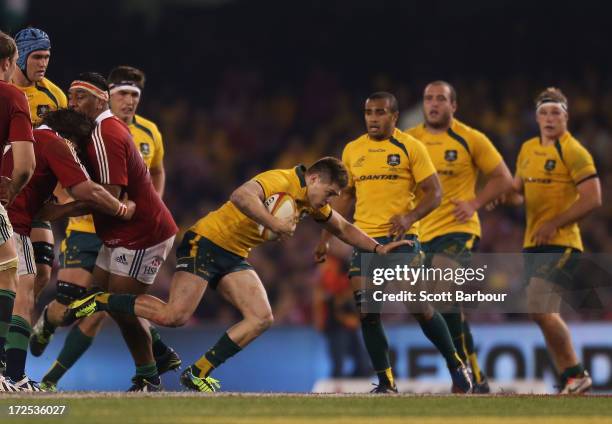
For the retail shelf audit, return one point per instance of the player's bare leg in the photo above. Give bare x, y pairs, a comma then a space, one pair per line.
558, 339
186, 291
542, 302
92, 325
244, 290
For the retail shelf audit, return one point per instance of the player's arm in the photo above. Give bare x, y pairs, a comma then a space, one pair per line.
157, 170
21, 137
24, 163
353, 236
515, 196
249, 199
512, 197
71, 174
589, 198
158, 177
101, 200
89, 197
498, 182
342, 205
52, 211
432, 196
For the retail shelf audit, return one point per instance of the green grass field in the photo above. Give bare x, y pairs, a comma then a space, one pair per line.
170, 408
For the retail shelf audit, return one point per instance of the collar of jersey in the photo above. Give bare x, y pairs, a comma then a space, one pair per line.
452, 126
394, 135
104, 115
566, 136
300, 170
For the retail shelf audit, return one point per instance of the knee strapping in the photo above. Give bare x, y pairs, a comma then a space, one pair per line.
67, 293
43, 253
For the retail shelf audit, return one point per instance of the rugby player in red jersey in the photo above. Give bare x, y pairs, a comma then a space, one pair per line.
81, 245
16, 129
133, 252
56, 161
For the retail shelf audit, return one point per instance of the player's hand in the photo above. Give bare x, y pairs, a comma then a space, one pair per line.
131, 209
5, 190
544, 233
284, 227
386, 248
495, 202
321, 251
400, 224
464, 209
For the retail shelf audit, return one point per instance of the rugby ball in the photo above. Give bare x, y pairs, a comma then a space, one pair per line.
282, 206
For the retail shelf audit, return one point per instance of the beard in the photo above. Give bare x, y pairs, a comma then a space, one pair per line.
443, 120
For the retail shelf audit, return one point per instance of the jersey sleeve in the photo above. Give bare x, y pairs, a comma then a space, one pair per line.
61, 97
158, 158
110, 153
347, 164
20, 127
64, 163
422, 166
274, 181
485, 155
579, 162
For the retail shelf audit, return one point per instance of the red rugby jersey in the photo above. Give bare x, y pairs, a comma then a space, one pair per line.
15, 124
56, 160
114, 160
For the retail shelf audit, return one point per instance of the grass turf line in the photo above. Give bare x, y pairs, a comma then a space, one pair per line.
119, 408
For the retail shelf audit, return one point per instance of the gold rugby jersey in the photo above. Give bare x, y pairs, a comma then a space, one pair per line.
232, 230
550, 175
42, 97
385, 175
149, 142
458, 155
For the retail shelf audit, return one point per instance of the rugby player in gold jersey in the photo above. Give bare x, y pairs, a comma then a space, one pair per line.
386, 168
558, 183
451, 232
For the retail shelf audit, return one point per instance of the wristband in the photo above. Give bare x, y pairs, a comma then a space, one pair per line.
376, 247
122, 211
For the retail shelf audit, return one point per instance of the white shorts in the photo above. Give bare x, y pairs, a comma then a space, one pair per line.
25, 255
142, 264
6, 229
